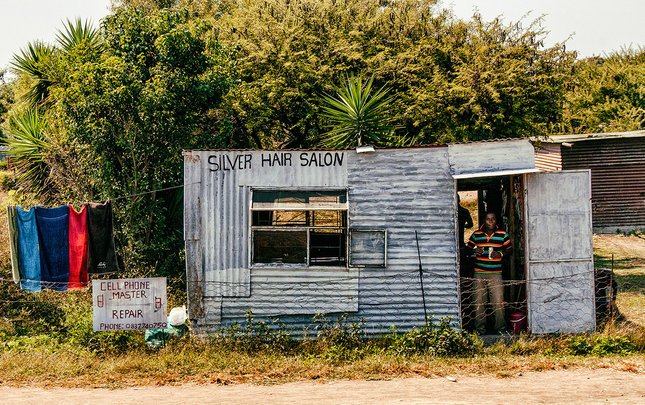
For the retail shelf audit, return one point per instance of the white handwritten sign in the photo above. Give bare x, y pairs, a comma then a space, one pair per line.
129, 304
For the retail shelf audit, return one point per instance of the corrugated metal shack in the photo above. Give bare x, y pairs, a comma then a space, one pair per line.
290, 234
617, 164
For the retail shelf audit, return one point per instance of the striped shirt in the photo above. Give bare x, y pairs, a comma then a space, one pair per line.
499, 241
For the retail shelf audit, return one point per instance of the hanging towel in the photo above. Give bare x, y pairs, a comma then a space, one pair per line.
53, 238
77, 248
28, 249
100, 236
13, 242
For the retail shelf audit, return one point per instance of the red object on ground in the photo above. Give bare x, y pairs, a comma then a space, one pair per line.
518, 322
77, 248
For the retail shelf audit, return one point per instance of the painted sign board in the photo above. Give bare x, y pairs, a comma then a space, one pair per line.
129, 304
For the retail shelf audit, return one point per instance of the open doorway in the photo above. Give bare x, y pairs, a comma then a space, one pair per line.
502, 195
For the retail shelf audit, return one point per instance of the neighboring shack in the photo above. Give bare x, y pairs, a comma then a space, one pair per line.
290, 233
617, 164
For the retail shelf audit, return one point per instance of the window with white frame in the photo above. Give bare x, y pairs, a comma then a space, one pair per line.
299, 227
368, 247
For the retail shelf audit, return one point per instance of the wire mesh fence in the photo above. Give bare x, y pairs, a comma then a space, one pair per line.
383, 300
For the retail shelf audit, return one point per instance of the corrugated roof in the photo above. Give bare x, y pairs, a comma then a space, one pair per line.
590, 137
437, 145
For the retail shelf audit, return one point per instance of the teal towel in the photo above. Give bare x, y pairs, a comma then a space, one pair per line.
28, 248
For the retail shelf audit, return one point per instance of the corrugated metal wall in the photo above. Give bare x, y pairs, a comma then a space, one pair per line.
548, 157
229, 285
617, 181
405, 191
398, 190
479, 157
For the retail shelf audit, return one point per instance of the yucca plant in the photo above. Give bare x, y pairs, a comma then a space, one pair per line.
32, 61
27, 142
77, 33
357, 115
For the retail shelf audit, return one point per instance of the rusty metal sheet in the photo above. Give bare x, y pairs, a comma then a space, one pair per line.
617, 180
548, 157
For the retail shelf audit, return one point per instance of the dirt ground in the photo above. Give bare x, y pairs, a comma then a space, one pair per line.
568, 386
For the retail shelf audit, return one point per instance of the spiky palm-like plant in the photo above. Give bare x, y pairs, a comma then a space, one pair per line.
27, 140
357, 115
33, 61
77, 33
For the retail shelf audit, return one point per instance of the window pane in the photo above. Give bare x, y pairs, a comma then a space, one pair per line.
327, 248
279, 246
299, 199
280, 218
262, 218
329, 218
367, 248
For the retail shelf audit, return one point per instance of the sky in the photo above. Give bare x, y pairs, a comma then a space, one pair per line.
592, 27
595, 27
22, 21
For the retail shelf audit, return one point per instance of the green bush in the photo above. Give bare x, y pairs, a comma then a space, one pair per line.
23, 344
601, 345
28, 314
255, 336
7, 181
438, 340
339, 332
78, 329
339, 339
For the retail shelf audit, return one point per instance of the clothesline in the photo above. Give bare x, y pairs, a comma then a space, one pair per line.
50, 247
152, 191
56, 248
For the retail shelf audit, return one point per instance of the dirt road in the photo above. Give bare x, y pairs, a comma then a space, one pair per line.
570, 386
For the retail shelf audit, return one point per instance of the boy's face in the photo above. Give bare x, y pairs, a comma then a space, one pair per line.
491, 221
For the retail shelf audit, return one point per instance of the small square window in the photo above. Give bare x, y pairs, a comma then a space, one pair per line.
368, 248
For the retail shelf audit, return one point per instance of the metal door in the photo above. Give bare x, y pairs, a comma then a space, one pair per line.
559, 252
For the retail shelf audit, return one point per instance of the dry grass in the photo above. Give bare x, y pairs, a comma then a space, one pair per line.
201, 364
5, 255
629, 265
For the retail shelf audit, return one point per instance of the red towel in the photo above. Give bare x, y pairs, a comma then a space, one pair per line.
77, 248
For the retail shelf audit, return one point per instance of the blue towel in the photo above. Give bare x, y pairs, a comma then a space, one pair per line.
28, 248
53, 238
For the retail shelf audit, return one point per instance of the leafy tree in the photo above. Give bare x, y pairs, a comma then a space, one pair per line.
6, 99
38, 61
454, 80
606, 94
126, 113
121, 104
78, 34
357, 115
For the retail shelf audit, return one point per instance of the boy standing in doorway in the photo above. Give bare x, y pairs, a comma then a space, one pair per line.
489, 244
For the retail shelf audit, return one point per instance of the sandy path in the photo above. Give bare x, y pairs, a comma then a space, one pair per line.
570, 386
